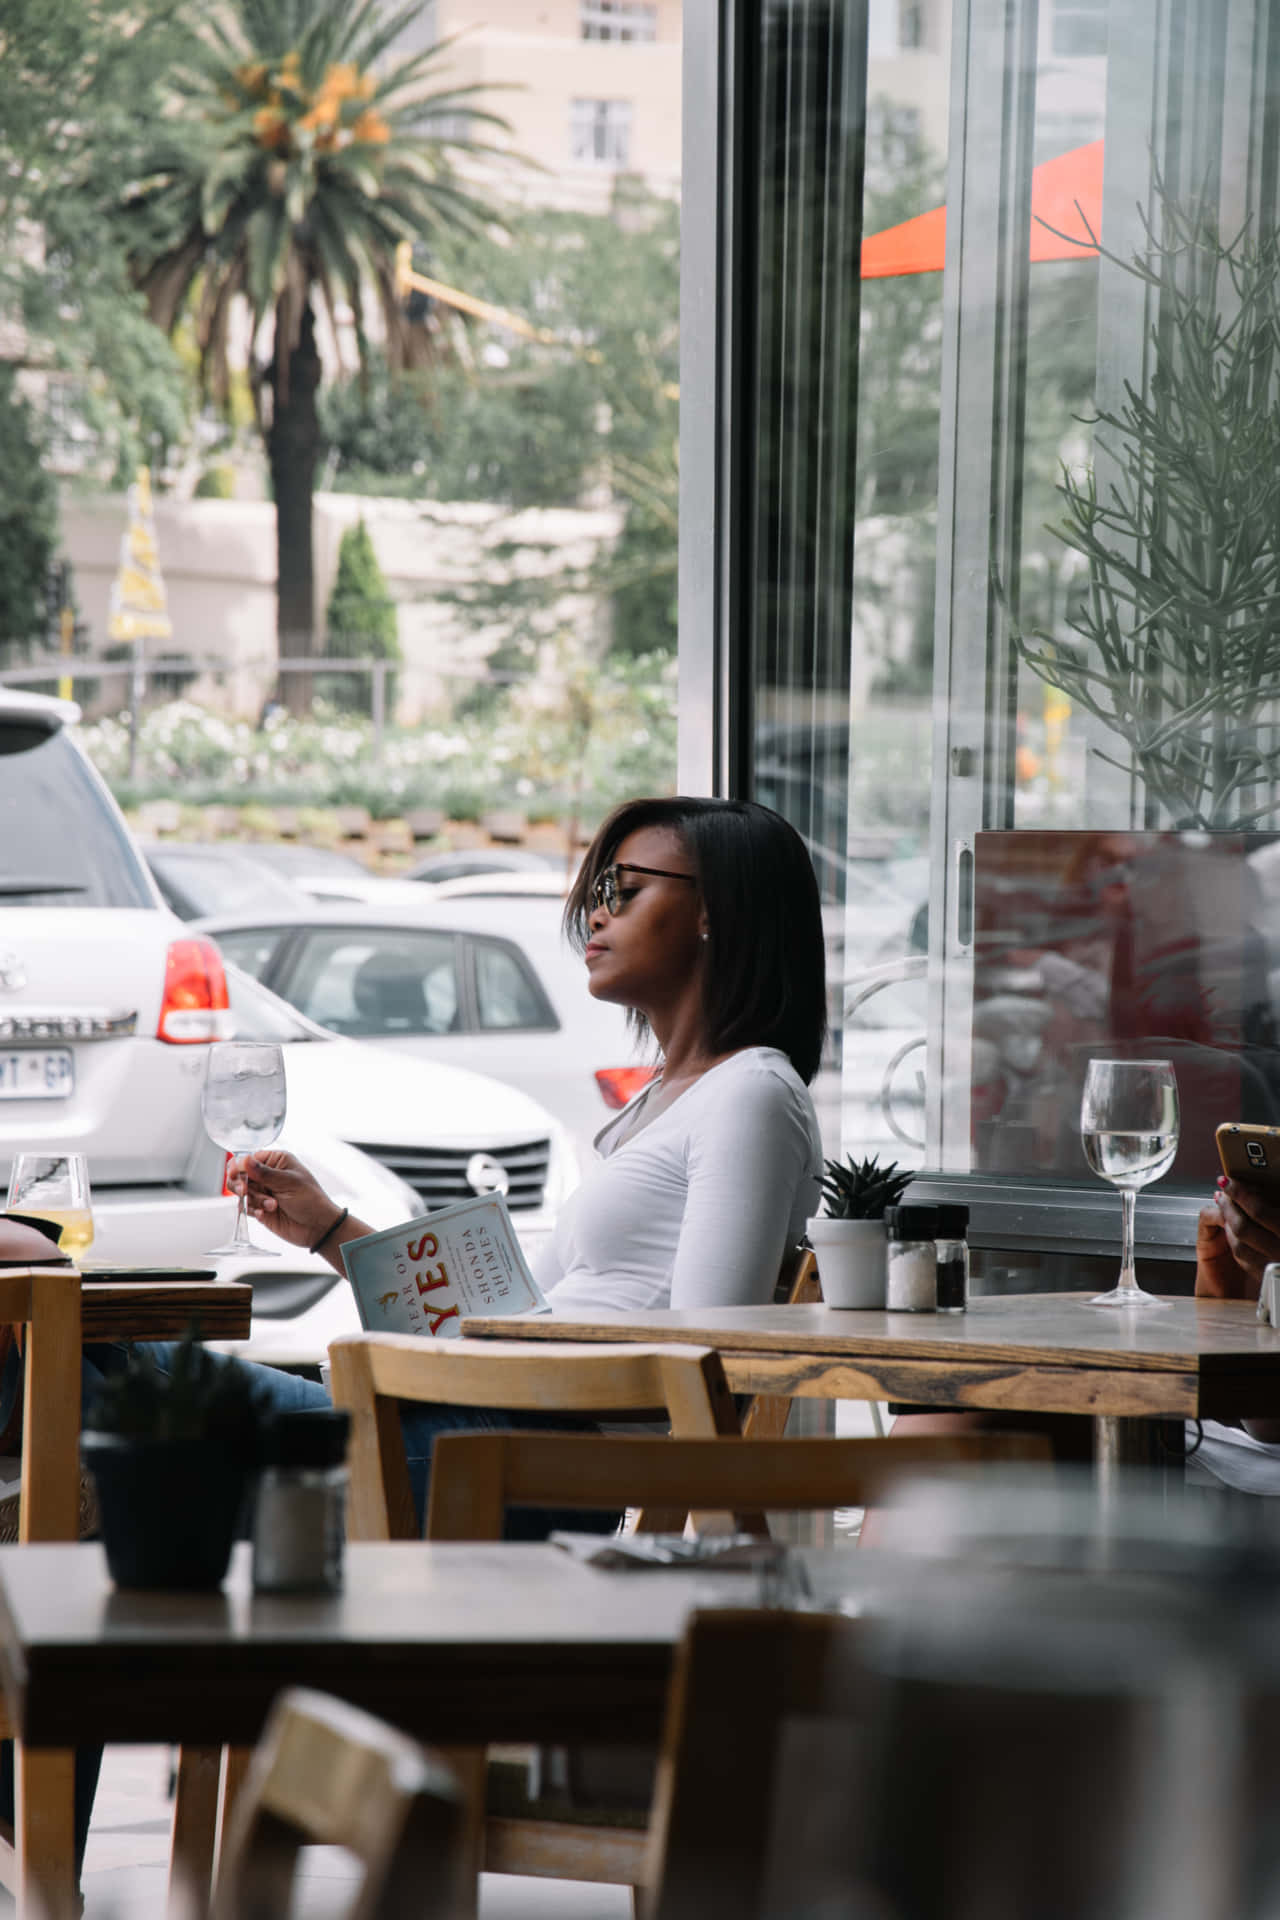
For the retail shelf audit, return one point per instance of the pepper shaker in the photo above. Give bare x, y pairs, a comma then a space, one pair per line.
953, 1257
299, 1515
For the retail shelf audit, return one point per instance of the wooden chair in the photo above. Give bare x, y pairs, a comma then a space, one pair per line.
46, 1302
765, 1416
721, 1837
372, 1372
326, 1774
475, 1477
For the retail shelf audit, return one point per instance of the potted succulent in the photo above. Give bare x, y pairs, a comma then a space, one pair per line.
848, 1237
171, 1455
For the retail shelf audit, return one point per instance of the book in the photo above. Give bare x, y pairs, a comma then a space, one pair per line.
426, 1275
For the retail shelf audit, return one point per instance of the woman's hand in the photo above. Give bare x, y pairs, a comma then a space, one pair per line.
281, 1193
1237, 1234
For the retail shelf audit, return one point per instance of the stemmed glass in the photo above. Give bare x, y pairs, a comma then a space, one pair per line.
1129, 1131
244, 1106
55, 1186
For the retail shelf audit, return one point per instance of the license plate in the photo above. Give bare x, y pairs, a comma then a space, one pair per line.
33, 1073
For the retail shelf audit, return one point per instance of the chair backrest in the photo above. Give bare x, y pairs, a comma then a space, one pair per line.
475, 1477
372, 1372
327, 1774
743, 1682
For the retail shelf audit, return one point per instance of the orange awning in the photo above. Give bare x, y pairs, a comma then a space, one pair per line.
1066, 196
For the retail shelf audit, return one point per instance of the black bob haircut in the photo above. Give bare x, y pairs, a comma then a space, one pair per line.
765, 980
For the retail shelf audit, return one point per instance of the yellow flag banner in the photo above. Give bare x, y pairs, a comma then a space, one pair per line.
138, 608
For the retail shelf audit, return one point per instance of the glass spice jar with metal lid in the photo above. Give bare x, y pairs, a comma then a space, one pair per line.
299, 1517
952, 1256
912, 1278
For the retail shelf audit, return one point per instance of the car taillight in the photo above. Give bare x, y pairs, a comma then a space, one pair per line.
195, 1006
619, 1084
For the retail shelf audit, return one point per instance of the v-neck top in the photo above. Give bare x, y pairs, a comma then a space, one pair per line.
695, 1207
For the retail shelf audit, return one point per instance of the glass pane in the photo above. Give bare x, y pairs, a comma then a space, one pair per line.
505, 995
251, 948
377, 983
60, 844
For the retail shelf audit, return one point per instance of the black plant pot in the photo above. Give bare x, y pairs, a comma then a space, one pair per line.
169, 1508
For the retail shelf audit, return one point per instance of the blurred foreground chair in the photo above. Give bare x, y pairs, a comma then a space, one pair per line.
476, 1477
746, 1689
371, 1373
326, 1774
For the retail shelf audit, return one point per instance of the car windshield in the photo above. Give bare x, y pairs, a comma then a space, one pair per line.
60, 843
195, 882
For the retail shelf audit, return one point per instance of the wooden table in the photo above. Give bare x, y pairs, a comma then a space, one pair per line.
164, 1309
1027, 1353
459, 1643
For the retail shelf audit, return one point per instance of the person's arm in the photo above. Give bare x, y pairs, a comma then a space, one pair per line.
284, 1196
746, 1158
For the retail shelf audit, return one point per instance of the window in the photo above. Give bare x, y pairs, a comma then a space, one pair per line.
61, 845
379, 982
251, 948
1080, 28
618, 20
600, 133
1021, 859
893, 27
506, 995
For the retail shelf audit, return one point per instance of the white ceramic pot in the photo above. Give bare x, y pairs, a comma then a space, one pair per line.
852, 1258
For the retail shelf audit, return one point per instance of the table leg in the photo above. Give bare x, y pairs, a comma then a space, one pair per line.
1120, 1443
46, 1833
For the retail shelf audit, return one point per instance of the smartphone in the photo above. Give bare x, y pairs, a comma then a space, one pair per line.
1251, 1155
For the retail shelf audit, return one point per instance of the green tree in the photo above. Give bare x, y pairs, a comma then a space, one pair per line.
362, 621
296, 162
28, 523
77, 84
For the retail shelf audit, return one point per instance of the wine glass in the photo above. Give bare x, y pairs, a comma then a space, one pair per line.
243, 1105
55, 1186
1129, 1131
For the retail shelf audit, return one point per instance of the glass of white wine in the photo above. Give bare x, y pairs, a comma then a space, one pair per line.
244, 1106
1129, 1130
55, 1186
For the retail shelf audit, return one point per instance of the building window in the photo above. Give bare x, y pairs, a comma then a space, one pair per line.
1080, 28
895, 26
600, 133
618, 20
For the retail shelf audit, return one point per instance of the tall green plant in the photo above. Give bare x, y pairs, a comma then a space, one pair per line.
1177, 631
362, 621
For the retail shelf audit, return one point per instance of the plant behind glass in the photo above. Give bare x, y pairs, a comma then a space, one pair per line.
1176, 649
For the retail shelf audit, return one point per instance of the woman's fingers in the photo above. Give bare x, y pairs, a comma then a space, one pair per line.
1252, 1227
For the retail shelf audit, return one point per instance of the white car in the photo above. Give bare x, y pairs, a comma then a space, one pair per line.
487, 984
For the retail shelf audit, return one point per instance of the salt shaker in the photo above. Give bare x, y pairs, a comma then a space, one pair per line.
912, 1285
298, 1525
953, 1257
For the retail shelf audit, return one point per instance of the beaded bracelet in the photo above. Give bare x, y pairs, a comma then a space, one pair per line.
329, 1231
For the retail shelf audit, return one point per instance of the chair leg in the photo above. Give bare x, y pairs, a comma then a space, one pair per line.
46, 1833
195, 1828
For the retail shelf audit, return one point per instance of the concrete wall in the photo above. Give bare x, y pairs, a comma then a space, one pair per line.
218, 562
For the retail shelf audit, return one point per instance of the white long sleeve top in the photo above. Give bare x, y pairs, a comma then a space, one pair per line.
696, 1206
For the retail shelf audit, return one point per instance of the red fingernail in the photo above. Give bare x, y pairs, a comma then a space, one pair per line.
1222, 1179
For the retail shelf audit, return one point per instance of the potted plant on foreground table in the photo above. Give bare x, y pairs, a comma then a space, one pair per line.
848, 1237
171, 1454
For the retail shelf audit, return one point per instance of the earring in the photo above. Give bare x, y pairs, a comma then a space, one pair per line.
704, 936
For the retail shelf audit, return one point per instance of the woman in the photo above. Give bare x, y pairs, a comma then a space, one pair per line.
702, 918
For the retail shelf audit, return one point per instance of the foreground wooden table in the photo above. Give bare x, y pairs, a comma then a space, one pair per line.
459, 1643
1026, 1353
164, 1309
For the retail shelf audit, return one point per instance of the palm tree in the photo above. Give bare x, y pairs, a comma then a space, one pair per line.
294, 163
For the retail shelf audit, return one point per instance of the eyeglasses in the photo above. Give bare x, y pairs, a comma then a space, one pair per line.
607, 893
